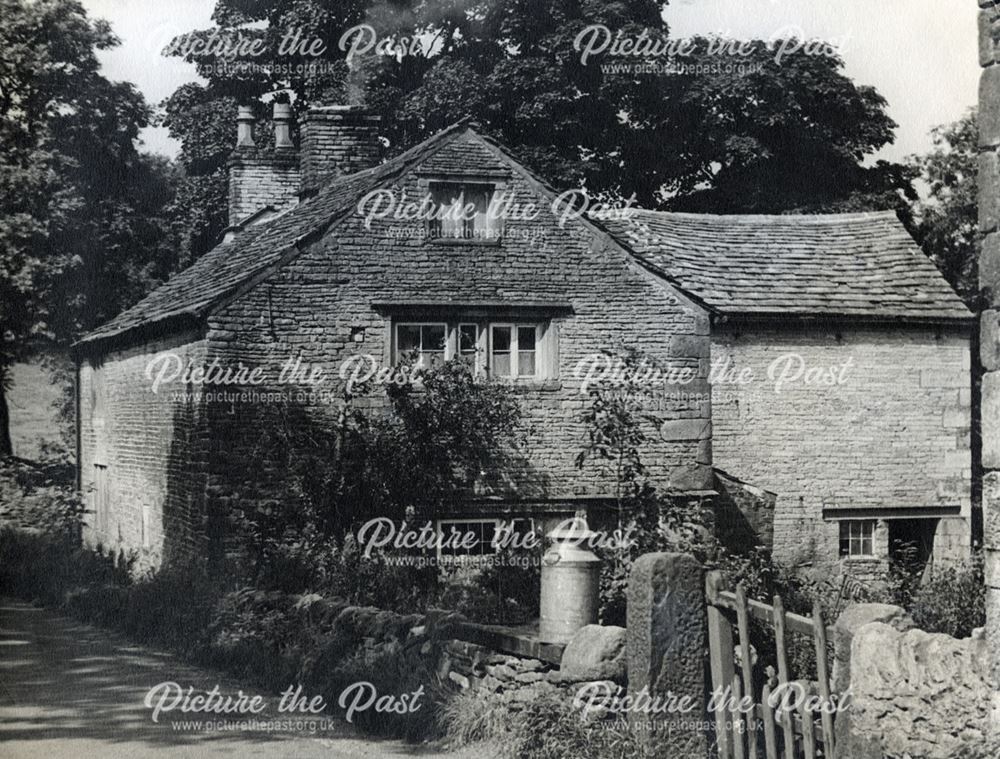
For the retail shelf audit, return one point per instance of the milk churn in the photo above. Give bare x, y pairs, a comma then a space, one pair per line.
570, 582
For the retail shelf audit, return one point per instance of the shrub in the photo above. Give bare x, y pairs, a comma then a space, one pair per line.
953, 601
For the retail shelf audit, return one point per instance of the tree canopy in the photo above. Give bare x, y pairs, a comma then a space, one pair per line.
83, 226
946, 221
761, 135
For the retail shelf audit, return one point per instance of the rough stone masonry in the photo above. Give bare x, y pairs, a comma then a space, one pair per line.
989, 283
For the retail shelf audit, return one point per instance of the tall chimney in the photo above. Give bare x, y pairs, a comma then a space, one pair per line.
260, 178
337, 140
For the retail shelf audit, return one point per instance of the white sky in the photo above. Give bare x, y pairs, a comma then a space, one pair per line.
920, 54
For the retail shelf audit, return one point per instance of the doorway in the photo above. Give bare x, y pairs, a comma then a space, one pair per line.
911, 544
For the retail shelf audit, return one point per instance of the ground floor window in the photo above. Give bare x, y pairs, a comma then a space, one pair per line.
102, 498
459, 538
857, 537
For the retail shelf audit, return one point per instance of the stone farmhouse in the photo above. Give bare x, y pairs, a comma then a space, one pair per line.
826, 401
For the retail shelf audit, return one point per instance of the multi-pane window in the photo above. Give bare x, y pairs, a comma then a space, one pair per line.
426, 343
513, 350
857, 537
462, 212
479, 537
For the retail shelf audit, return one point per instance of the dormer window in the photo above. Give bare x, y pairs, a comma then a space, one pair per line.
462, 211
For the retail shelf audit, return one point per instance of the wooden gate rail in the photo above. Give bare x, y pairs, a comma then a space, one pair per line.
736, 730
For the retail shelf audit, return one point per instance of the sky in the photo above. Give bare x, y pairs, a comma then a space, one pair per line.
921, 55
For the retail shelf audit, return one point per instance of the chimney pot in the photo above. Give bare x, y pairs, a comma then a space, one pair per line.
244, 128
282, 126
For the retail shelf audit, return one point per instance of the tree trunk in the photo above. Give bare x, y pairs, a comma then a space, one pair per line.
6, 447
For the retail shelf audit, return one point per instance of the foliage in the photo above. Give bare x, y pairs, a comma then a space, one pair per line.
946, 222
82, 228
788, 135
432, 444
951, 601
619, 429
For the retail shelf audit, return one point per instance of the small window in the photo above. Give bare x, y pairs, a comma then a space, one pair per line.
468, 344
145, 525
857, 538
470, 538
513, 350
424, 342
463, 212
102, 498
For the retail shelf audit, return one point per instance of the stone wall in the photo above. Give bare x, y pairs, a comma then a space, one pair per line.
895, 434
989, 282
915, 694
153, 448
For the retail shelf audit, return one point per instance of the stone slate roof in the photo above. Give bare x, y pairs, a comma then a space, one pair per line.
218, 274
849, 265
845, 264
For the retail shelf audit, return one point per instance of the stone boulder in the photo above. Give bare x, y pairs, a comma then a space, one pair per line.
595, 652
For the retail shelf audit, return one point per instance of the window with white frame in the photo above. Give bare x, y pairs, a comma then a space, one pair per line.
857, 537
509, 350
463, 211
425, 343
513, 350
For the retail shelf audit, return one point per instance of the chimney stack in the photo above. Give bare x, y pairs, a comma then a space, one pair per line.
337, 140
334, 141
262, 178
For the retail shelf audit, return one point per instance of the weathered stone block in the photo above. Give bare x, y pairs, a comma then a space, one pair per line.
989, 268
852, 619
989, 190
686, 429
989, 107
991, 420
987, 45
989, 340
991, 568
665, 645
991, 509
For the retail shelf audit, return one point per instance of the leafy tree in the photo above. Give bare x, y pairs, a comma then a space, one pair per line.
82, 230
946, 222
772, 138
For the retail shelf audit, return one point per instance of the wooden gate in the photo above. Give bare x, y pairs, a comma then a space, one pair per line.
761, 729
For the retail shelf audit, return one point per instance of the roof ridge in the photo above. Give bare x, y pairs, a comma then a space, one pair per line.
843, 216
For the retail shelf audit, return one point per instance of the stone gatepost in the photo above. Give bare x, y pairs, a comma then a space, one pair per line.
989, 283
665, 645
